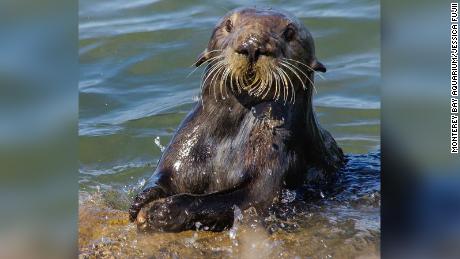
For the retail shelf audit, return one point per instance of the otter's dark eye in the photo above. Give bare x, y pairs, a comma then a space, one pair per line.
228, 26
289, 33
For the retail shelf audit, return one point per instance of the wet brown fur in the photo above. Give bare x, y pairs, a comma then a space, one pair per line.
240, 145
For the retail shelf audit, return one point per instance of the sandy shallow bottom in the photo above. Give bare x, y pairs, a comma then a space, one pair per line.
106, 233
333, 225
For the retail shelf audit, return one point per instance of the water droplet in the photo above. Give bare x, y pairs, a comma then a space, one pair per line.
158, 144
198, 224
237, 213
141, 183
232, 233
177, 165
238, 216
287, 196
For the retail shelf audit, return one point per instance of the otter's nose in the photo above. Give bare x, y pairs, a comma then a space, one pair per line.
252, 49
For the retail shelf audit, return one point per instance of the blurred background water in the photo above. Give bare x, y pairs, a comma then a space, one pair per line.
133, 92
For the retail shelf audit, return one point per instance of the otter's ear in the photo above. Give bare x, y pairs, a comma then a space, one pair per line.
318, 66
202, 58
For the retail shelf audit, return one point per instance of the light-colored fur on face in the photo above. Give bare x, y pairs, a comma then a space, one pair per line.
287, 68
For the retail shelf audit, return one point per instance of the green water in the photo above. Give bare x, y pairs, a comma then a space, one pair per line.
134, 60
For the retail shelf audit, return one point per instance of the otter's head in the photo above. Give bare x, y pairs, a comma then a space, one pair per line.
264, 53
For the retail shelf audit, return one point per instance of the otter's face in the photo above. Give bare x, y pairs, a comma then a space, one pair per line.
262, 52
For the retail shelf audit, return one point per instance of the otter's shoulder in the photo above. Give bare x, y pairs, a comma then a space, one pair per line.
333, 158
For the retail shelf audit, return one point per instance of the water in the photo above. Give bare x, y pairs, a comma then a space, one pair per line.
134, 60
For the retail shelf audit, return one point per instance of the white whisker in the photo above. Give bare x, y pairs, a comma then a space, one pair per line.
283, 77
277, 83
231, 82
270, 82
292, 86
224, 82
209, 60
217, 50
212, 82
307, 66
307, 77
295, 73
211, 70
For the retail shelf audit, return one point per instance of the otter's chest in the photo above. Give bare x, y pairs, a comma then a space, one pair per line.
259, 137
219, 152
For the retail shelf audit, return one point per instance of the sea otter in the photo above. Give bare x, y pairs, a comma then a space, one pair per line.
253, 133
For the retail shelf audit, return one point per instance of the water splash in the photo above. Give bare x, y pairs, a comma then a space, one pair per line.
158, 144
237, 218
287, 196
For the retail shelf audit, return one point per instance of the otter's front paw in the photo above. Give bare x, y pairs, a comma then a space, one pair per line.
172, 214
142, 199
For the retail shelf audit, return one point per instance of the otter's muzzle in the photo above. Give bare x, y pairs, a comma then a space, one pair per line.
252, 49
